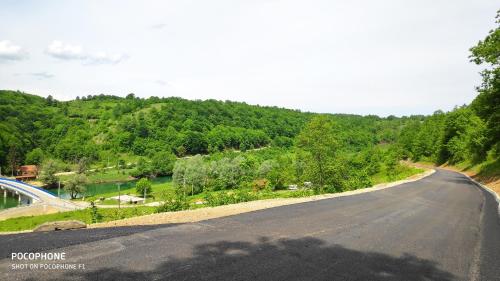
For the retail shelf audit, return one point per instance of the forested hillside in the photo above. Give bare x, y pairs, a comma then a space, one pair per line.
101, 127
468, 135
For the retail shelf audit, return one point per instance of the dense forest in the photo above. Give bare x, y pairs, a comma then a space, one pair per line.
200, 142
468, 134
90, 125
102, 127
151, 133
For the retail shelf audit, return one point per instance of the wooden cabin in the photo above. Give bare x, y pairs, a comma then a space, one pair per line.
27, 172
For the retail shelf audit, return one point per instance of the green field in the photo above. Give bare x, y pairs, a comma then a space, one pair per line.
26, 223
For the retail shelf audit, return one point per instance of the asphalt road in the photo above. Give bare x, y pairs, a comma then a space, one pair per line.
442, 227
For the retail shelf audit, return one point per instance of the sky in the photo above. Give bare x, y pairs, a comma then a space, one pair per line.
387, 57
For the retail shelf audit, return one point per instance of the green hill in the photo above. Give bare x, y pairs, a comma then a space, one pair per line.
96, 127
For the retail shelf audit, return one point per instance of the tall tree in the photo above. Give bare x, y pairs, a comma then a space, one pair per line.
143, 187
47, 173
179, 176
487, 103
162, 163
318, 140
83, 165
13, 159
35, 157
76, 185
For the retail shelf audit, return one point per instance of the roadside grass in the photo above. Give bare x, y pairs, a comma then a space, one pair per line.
489, 169
30, 222
489, 174
211, 198
486, 172
402, 172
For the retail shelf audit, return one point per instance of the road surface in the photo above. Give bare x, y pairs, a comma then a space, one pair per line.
442, 227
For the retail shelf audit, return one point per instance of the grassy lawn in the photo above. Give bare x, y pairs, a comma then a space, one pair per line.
25, 223
402, 173
158, 189
108, 202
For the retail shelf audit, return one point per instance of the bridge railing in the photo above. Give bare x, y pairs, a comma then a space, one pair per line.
20, 190
28, 185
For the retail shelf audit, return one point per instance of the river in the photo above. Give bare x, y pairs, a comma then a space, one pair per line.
91, 190
8, 202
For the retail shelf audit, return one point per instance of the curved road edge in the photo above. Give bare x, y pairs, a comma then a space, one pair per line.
493, 193
489, 248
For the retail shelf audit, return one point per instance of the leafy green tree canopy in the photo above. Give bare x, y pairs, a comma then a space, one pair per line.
47, 173
143, 186
35, 157
320, 144
76, 185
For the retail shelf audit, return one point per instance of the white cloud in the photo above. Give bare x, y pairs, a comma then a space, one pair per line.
42, 75
104, 58
64, 51
9, 51
60, 50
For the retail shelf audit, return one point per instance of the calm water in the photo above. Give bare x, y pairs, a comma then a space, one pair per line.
8, 202
102, 188
91, 190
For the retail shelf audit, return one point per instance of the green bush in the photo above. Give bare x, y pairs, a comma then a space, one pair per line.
143, 186
231, 197
303, 192
259, 184
173, 202
94, 214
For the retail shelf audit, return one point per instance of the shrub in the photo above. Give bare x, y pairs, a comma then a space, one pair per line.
232, 197
173, 202
303, 192
143, 186
96, 217
259, 184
